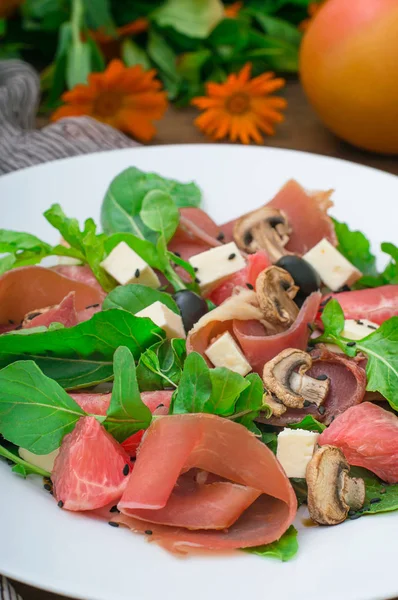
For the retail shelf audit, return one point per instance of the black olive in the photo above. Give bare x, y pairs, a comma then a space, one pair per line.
192, 307
304, 275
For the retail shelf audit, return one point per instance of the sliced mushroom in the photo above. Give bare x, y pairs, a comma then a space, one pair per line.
284, 376
263, 229
275, 291
331, 491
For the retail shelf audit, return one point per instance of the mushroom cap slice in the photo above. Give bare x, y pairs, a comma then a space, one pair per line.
275, 291
263, 229
331, 491
284, 376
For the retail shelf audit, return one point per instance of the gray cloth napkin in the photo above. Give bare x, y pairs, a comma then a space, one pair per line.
7, 592
21, 145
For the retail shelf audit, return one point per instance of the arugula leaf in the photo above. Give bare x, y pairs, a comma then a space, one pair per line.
380, 348
21, 467
160, 213
356, 248
161, 365
300, 489
126, 413
123, 200
270, 439
35, 412
226, 387
284, 549
195, 386
309, 424
251, 399
81, 356
14, 241
6, 263
135, 297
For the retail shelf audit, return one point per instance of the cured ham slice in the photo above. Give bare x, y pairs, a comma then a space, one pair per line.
368, 436
256, 263
376, 304
254, 504
307, 215
64, 313
196, 233
347, 388
81, 273
259, 348
26, 289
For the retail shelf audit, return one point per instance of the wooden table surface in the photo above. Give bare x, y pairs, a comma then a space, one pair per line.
301, 131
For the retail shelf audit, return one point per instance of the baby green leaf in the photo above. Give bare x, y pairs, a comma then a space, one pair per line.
161, 365
226, 387
250, 402
35, 412
160, 213
284, 549
127, 413
195, 386
135, 297
356, 248
309, 424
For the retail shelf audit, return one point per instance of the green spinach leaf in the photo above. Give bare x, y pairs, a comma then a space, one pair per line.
284, 549
195, 386
160, 214
135, 297
309, 424
226, 386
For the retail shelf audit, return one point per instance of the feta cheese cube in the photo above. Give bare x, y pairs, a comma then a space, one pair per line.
43, 461
358, 329
225, 352
295, 450
164, 318
215, 265
126, 266
333, 268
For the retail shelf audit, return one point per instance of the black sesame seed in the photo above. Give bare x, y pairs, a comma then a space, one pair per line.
232, 256
126, 469
325, 301
358, 322
351, 344
33, 315
310, 327
356, 516
159, 406
60, 504
321, 377
148, 531
371, 326
321, 410
114, 509
364, 509
221, 236
375, 500
137, 273
197, 280
250, 286
196, 269
11, 322
47, 487
306, 403
332, 418
112, 524
177, 254
133, 458
343, 288
92, 306
18, 328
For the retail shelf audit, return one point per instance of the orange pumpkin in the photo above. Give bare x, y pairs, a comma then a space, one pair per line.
348, 67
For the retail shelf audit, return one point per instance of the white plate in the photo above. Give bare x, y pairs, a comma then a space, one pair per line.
74, 555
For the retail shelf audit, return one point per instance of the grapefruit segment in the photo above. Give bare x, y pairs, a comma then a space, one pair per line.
90, 470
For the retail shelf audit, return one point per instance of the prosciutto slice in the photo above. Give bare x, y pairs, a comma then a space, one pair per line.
347, 388
64, 313
307, 214
376, 304
26, 289
196, 233
251, 503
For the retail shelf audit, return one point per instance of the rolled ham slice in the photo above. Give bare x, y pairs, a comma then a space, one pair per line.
376, 304
196, 233
347, 388
26, 289
307, 215
252, 503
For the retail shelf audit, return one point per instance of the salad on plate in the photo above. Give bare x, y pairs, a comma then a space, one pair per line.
198, 382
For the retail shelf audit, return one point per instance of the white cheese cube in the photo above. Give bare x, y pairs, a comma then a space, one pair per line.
124, 265
295, 450
225, 352
215, 265
164, 318
68, 260
333, 268
43, 461
358, 329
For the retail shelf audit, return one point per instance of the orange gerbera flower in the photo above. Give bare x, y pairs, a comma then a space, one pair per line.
232, 11
127, 98
312, 10
241, 107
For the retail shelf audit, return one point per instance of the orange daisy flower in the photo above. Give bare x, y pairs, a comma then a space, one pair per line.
313, 9
241, 107
232, 11
127, 98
